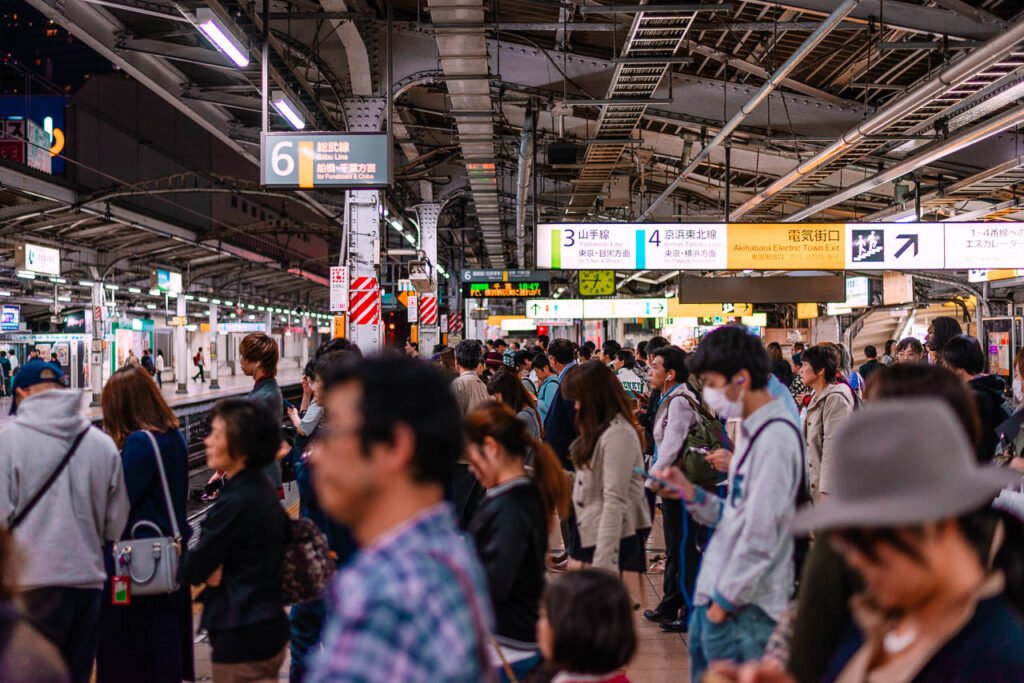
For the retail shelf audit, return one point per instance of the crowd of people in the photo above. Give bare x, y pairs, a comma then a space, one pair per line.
482, 512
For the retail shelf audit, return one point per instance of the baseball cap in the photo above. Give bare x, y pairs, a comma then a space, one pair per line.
36, 372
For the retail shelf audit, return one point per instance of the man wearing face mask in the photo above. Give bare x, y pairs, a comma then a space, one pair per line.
747, 574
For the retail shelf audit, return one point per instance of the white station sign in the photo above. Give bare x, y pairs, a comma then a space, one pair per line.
596, 309
984, 245
38, 259
895, 246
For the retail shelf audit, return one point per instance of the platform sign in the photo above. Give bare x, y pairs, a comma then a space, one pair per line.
506, 290
895, 246
984, 245
785, 246
596, 309
621, 246
37, 259
325, 160
10, 317
166, 281
339, 289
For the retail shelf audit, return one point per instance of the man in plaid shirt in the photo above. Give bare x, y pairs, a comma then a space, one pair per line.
412, 606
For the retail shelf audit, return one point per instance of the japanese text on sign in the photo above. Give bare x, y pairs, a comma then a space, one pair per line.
311, 160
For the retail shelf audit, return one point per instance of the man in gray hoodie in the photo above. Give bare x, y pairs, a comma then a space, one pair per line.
747, 574
62, 538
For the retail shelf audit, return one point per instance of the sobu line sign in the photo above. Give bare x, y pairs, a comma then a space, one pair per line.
325, 160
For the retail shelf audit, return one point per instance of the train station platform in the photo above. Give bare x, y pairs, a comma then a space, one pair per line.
198, 394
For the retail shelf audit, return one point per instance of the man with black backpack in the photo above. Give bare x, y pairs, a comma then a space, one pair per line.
683, 431
747, 572
62, 494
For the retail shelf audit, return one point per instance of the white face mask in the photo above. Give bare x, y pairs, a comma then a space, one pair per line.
723, 406
1018, 391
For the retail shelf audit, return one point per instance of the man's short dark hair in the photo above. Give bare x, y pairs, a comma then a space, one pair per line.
821, 358
562, 350
610, 348
260, 348
540, 362
500, 342
339, 344
626, 358
543, 340
870, 351
522, 358
963, 352
673, 359
590, 345
655, 343
585, 352
730, 349
252, 431
398, 390
469, 354
798, 347
912, 343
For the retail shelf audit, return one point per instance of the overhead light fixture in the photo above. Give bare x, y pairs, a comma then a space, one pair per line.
151, 307
441, 270
289, 111
26, 275
135, 290
189, 297
86, 283
410, 239
5, 292
262, 308
216, 301
65, 299
203, 300
112, 288
219, 35
58, 281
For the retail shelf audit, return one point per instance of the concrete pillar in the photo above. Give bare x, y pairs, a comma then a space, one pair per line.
428, 215
181, 359
96, 348
214, 348
270, 326
304, 341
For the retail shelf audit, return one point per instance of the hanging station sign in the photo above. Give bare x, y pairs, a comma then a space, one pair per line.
779, 246
596, 309
505, 284
325, 160
36, 259
10, 317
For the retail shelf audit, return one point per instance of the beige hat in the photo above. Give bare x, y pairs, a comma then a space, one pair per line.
901, 463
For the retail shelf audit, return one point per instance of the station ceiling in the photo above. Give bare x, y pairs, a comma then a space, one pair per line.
933, 88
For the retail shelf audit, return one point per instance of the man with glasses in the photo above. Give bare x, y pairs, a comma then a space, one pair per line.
413, 604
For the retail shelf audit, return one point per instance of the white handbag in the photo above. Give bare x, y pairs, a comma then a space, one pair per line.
151, 563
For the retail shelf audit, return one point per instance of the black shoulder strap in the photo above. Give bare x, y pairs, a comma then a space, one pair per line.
17, 519
801, 492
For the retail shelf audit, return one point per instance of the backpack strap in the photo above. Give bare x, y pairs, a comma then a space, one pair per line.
15, 519
801, 494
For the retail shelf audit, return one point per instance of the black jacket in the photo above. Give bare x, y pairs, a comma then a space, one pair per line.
245, 532
989, 394
560, 425
510, 531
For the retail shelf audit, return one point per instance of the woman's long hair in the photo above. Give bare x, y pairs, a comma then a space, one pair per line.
495, 420
507, 384
601, 398
131, 403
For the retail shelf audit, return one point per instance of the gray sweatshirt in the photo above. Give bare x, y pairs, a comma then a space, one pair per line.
61, 539
749, 560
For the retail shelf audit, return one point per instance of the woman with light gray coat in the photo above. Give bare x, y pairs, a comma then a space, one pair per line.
608, 497
831, 404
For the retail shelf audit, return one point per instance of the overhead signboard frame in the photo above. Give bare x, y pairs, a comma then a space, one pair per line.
779, 246
318, 160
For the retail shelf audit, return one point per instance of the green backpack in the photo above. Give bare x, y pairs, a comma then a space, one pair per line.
707, 433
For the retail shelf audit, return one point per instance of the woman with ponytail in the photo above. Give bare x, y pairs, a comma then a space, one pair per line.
511, 526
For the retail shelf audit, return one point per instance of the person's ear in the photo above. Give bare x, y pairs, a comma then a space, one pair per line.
396, 457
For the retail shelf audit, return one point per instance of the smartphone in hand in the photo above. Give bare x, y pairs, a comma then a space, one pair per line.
646, 474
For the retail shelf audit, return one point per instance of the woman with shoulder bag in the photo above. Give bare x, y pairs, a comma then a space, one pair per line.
146, 637
611, 509
240, 554
830, 405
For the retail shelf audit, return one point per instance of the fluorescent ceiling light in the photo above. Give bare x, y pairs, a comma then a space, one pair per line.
410, 239
155, 292
216, 301
262, 308
26, 275
58, 281
203, 300
189, 297
135, 290
86, 283
64, 298
4, 292
218, 34
226, 303
288, 110
112, 288
151, 307
441, 270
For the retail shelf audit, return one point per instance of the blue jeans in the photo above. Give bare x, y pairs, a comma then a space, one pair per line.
307, 619
740, 638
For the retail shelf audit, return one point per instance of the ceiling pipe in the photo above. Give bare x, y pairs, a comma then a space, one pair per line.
953, 144
523, 184
773, 82
978, 60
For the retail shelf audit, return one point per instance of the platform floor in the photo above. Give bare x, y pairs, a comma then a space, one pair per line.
198, 392
660, 658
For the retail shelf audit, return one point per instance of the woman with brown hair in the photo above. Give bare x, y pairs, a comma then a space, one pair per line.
151, 637
506, 387
511, 526
611, 510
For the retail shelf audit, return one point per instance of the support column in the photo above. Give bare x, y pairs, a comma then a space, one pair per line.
428, 215
181, 359
361, 247
96, 349
270, 326
305, 341
214, 348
